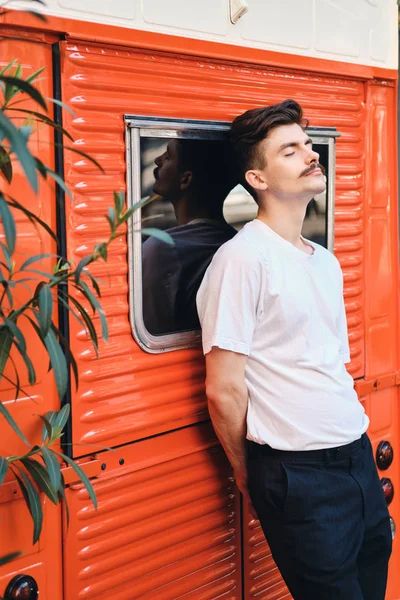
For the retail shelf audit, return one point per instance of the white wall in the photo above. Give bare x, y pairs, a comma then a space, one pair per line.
354, 31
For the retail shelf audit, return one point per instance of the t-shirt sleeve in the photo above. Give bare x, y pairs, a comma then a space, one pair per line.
228, 301
342, 327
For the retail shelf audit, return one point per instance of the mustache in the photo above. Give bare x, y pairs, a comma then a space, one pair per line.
155, 173
312, 168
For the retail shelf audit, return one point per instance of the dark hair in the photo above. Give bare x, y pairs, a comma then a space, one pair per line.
252, 127
212, 165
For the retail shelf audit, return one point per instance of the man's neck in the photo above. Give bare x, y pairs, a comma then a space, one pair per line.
286, 219
188, 210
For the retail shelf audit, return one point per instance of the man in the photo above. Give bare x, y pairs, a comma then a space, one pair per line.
275, 338
188, 174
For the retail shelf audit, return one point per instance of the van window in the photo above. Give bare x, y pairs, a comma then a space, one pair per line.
181, 173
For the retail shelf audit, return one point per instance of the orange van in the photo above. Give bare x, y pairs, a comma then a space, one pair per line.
170, 524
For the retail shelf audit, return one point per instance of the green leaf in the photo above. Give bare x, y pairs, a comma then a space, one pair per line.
47, 433
36, 258
143, 202
24, 86
18, 71
67, 351
95, 304
6, 255
86, 260
89, 158
127, 214
62, 417
8, 558
111, 218
65, 303
28, 363
41, 167
59, 181
16, 332
49, 421
161, 235
3, 468
18, 145
33, 503
5, 347
35, 75
8, 225
6, 165
12, 423
82, 476
17, 383
26, 131
41, 477
44, 118
45, 309
59, 103
58, 363
31, 216
53, 467
8, 67
43, 274
95, 283
88, 321
119, 201
101, 250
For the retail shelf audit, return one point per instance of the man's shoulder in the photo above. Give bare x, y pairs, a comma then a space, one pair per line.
326, 255
241, 249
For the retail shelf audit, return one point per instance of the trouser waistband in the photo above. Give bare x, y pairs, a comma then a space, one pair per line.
324, 454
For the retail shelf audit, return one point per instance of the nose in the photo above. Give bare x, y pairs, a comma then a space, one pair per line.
312, 157
159, 159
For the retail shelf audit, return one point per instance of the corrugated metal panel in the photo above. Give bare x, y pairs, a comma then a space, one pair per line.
263, 580
16, 522
166, 526
127, 394
381, 287
381, 281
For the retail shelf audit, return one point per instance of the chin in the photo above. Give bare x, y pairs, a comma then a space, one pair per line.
318, 187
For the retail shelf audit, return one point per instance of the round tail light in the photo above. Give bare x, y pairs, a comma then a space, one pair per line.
388, 489
384, 455
22, 587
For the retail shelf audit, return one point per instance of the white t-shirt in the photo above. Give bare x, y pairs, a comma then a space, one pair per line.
263, 297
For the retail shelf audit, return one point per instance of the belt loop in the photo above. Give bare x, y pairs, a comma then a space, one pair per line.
364, 440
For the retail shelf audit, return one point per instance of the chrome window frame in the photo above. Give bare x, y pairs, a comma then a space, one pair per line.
141, 126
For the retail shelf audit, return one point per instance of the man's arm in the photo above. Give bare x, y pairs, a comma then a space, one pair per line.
227, 403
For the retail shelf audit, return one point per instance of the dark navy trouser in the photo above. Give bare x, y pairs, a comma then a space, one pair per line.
325, 519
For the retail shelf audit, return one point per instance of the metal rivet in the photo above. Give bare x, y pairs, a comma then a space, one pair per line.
103, 466
121, 461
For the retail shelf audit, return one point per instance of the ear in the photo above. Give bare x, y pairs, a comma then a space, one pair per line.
256, 180
186, 180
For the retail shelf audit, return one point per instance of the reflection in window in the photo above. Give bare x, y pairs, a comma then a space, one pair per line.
189, 180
